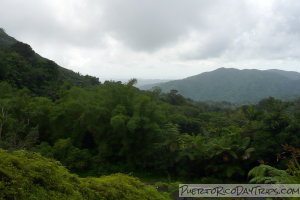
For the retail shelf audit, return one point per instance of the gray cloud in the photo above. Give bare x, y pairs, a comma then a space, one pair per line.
65, 23
150, 25
275, 35
105, 36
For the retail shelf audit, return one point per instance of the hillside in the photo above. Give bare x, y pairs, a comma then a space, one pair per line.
236, 86
22, 67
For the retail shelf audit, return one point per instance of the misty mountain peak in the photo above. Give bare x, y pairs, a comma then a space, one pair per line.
236, 86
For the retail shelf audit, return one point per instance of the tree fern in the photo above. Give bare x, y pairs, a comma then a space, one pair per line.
270, 175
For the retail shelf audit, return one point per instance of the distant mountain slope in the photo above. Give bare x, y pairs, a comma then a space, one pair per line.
22, 67
288, 74
236, 86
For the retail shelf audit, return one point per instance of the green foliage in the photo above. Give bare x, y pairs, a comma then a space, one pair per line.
169, 188
120, 186
29, 176
116, 128
224, 156
16, 129
25, 175
74, 158
270, 175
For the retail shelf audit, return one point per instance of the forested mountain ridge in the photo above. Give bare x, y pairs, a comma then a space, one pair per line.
6, 40
22, 67
236, 86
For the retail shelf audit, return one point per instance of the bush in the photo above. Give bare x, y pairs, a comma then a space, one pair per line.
29, 176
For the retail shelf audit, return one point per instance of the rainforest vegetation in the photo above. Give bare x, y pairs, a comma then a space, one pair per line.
59, 131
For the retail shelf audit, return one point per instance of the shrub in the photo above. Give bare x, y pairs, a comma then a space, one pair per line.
30, 176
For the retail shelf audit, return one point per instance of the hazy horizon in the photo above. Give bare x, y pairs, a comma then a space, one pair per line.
154, 80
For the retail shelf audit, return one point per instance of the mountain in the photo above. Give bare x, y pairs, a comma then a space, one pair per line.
289, 74
236, 86
6, 40
22, 67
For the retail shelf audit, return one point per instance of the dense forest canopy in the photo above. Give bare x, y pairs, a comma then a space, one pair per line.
96, 129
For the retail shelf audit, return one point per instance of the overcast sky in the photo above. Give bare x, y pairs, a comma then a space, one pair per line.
158, 39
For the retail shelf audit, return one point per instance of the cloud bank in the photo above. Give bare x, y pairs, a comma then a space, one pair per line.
158, 39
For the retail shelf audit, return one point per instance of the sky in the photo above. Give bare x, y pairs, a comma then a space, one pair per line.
158, 39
